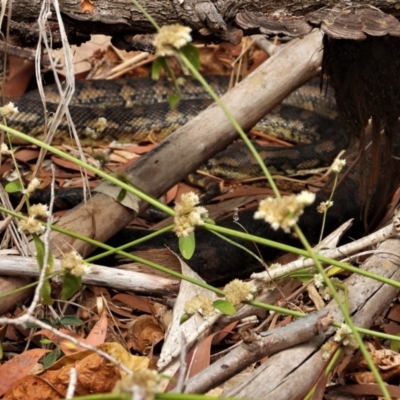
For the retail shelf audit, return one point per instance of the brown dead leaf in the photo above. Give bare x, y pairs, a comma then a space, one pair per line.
18, 367
386, 360
33, 388
87, 7
98, 333
68, 164
94, 373
26, 155
135, 302
144, 333
394, 313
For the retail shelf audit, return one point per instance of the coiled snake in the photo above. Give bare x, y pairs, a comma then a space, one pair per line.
137, 109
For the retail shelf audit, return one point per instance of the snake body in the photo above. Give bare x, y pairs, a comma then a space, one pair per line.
137, 110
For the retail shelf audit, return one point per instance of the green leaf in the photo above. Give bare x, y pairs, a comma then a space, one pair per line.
185, 317
395, 344
71, 284
71, 320
192, 54
45, 292
13, 187
45, 341
225, 307
121, 195
50, 358
159, 64
173, 100
40, 250
187, 246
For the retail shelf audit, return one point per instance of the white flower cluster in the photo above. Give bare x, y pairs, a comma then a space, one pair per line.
33, 185
323, 289
200, 304
345, 335
74, 264
284, 212
31, 225
171, 38
8, 109
338, 165
188, 215
237, 291
4, 149
324, 206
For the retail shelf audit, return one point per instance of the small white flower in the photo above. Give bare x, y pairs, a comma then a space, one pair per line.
38, 210
33, 185
4, 149
338, 165
284, 212
345, 335
237, 291
318, 281
171, 38
188, 215
201, 304
30, 226
324, 206
306, 198
73, 263
8, 109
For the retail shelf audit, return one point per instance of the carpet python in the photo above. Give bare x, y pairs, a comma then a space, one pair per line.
137, 110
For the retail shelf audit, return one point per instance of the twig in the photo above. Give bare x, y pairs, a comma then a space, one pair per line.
338, 253
256, 346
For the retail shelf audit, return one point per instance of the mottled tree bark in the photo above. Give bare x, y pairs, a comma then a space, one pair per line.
211, 20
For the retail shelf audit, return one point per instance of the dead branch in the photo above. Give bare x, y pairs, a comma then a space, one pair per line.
255, 346
278, 379
25, 267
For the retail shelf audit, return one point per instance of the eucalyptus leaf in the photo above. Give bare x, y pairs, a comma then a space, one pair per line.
187, 246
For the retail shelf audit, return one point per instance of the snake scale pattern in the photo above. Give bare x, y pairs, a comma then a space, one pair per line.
137, 110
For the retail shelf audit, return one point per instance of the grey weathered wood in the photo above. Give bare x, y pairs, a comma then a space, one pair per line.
25, 267
290, 374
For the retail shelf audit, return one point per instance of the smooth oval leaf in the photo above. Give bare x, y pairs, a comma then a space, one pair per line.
13, 187
224, 306
187, 246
